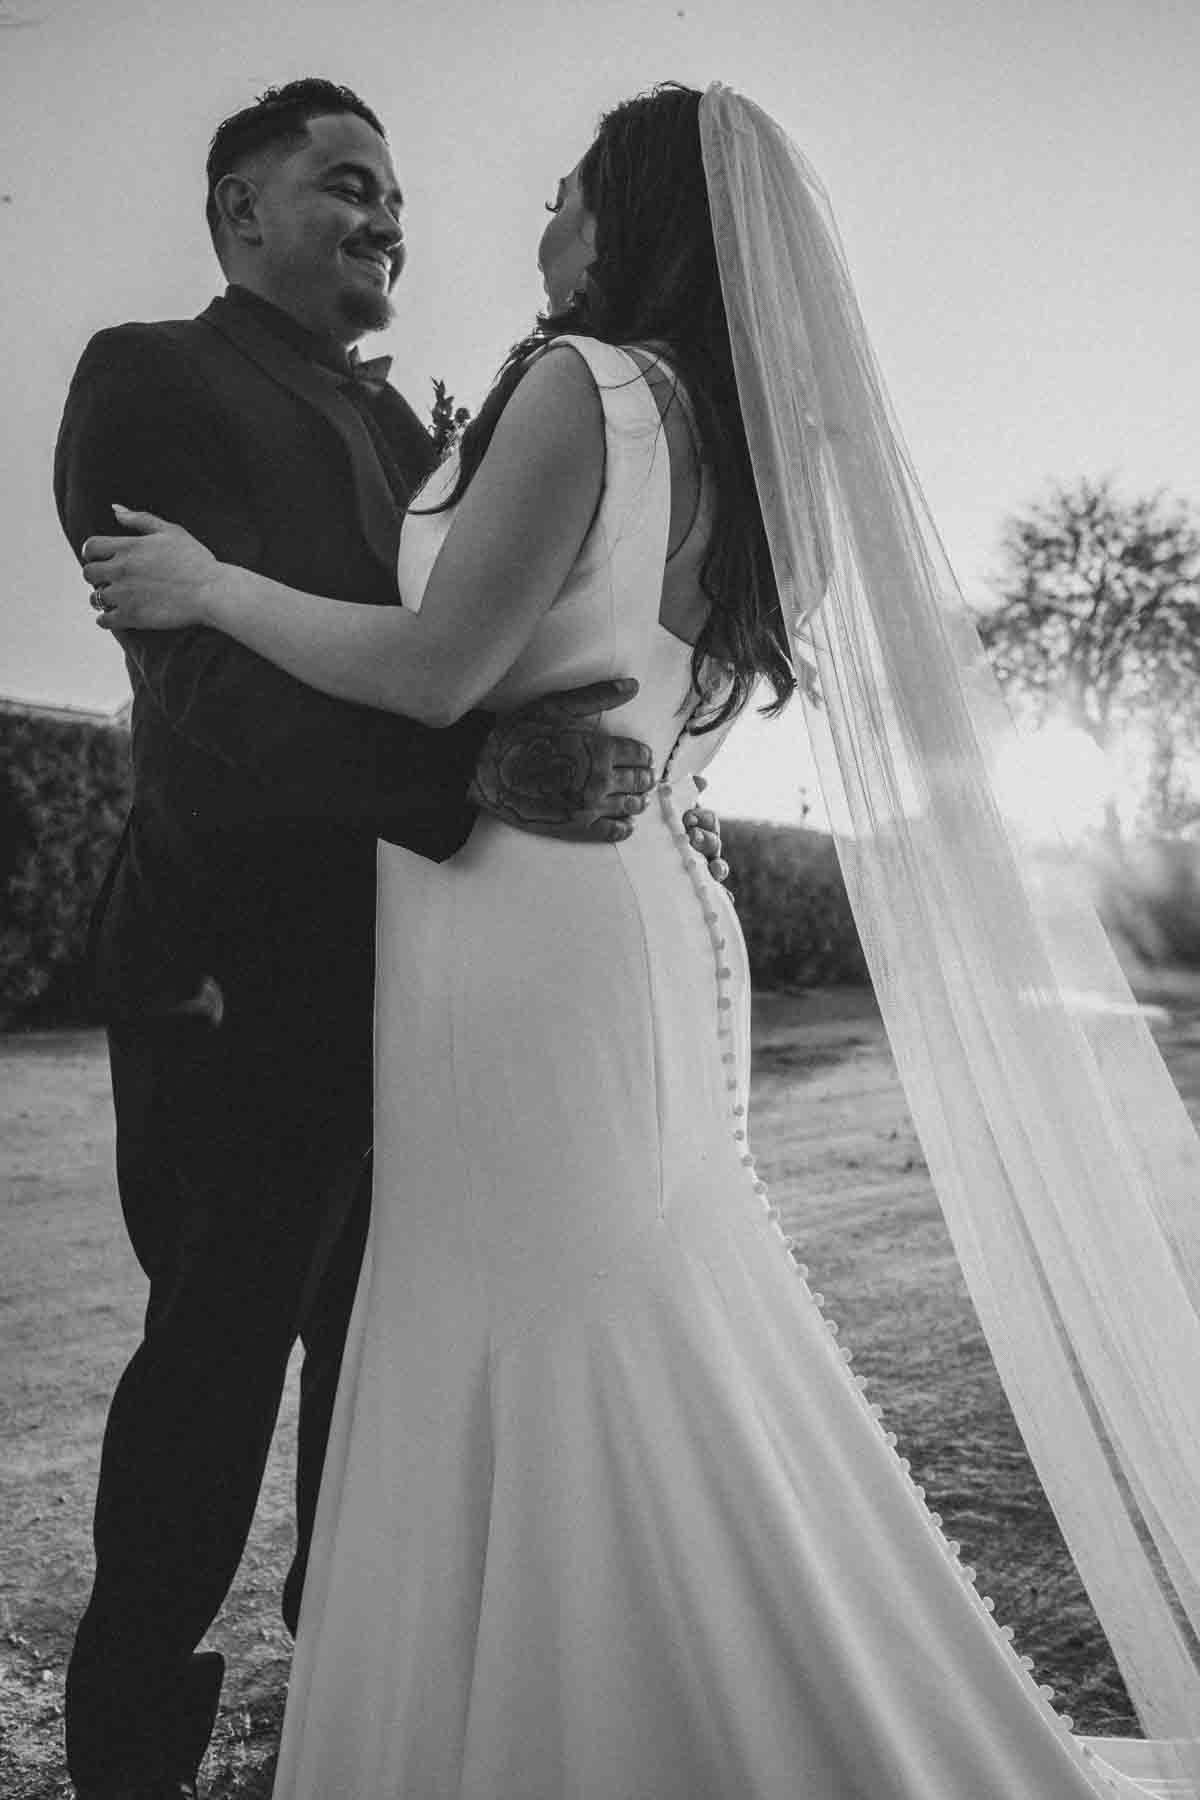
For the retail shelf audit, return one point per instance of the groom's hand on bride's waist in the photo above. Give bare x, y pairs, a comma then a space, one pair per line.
549, 768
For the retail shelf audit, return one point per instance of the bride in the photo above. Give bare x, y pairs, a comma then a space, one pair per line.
605, 1513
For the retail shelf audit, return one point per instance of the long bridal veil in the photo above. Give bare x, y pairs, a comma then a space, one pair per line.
1061, 1153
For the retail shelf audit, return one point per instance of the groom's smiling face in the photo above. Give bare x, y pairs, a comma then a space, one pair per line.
321, 236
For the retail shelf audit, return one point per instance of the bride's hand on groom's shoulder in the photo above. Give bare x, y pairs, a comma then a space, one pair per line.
550, 768
154, 577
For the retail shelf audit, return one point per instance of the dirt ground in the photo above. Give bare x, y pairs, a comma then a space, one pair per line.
835, 1144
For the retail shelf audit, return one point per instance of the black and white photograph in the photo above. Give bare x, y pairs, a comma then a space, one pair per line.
600, 901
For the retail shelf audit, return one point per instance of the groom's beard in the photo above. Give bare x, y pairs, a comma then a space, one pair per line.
366, 311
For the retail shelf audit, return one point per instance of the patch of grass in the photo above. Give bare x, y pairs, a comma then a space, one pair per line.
834, 1142
71, 1298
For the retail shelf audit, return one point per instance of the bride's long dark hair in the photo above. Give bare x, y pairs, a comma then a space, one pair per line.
654, 281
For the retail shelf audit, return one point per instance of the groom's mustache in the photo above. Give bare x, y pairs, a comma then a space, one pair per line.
390, 253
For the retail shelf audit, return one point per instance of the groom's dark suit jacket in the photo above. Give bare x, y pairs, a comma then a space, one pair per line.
250, 850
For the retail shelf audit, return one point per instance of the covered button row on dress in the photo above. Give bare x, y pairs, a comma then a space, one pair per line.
698, 871
950, 1546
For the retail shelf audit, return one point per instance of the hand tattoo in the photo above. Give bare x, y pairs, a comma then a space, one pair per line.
531, 773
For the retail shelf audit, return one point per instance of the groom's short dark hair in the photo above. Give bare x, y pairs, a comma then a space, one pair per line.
280, 115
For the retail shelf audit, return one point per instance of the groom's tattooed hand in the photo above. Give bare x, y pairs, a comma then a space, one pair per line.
549, 769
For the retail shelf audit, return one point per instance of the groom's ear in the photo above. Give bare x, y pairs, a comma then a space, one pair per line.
236, 200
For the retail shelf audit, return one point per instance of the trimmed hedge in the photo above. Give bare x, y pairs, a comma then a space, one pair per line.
800, 931
64, 787
791, 901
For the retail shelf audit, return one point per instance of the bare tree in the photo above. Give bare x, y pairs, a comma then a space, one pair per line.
1097, 624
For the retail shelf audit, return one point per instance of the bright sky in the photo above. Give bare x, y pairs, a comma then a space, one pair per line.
1015, 186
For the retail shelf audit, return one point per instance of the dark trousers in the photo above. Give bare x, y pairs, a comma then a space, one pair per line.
242, 1162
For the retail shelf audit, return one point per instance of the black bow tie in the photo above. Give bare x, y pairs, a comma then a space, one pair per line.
370, 372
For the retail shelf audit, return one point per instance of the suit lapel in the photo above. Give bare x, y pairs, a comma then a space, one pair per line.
377, 510
408, 437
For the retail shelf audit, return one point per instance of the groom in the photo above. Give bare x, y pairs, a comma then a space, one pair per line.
233, 939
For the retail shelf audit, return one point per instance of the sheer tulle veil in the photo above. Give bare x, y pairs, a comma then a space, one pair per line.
1061, 1153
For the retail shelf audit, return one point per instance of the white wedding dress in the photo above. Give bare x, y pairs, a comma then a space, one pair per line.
605, 1514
